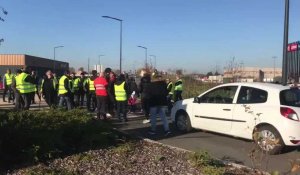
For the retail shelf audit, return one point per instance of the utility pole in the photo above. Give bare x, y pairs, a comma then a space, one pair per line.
285, 42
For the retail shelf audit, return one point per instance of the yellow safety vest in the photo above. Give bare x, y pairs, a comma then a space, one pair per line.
61, 85
75, 84
91, 85
171, 91
179, 87
8, 78
22, 86
120, 92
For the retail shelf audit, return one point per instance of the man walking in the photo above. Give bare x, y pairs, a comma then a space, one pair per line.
158, 104
91, 97
25, 86
48, 89
178, 89
144, 91
170, 95
121, 94
101, 95
7, 81
64, 90
81, 89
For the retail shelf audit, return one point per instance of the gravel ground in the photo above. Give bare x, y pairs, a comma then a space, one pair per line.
133, 158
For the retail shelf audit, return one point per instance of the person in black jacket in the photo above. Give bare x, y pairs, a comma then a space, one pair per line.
48, 89
158, 104
144, 91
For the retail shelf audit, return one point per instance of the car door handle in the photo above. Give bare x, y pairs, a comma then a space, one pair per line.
226, 109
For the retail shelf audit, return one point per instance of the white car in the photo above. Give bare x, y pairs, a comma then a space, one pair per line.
243, 110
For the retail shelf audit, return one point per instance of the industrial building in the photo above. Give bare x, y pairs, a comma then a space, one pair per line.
253, 74
40, 65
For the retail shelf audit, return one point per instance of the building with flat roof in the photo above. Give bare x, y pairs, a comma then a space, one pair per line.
254, 73
40, 65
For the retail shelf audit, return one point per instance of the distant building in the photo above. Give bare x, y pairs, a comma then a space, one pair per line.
249, 74
40, 65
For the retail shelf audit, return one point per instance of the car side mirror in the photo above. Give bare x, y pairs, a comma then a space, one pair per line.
196, 100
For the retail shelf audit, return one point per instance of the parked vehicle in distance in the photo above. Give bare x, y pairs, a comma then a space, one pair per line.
245, 110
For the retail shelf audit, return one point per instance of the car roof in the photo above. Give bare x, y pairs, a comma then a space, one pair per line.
266, 86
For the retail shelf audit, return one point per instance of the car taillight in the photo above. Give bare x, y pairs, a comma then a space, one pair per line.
289, 113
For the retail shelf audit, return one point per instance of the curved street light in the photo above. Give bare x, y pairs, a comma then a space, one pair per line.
146, 62
54, 54
121, 21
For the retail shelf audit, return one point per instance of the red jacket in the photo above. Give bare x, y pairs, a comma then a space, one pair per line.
100, 84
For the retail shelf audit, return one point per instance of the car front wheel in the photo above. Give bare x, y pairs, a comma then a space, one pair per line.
269, 139
182, 122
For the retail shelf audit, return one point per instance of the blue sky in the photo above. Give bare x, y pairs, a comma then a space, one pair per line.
195, 35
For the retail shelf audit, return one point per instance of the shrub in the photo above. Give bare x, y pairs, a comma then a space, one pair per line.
31, 136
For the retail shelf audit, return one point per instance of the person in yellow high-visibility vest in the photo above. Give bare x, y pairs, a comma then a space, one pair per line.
178, 89
64, 90
170, 89
75, 89
121, 96
91, 94
8, 78
25, 87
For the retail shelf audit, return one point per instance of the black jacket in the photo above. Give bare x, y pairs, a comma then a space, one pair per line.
158, 94
144, 87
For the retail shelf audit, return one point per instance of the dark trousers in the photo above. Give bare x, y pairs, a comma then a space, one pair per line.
51, 99
27, 97
81, 97
145, 106
8, 89
19, 102
101, 106
91, 98
121, 109
170, 104
65, 99
111, 104
177, 95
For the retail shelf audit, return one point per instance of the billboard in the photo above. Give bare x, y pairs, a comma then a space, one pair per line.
293, 46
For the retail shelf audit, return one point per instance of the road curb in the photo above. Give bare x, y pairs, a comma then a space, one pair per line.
225, 162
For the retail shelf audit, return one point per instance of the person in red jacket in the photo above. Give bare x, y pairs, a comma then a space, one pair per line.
100, 84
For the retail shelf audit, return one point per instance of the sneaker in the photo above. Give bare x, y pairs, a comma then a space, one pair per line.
146, 121
108, 115
151, 132
167, 133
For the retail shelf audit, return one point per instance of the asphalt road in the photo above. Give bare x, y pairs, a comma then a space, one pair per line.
219, 146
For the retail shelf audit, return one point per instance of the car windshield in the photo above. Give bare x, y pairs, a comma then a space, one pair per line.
290, 97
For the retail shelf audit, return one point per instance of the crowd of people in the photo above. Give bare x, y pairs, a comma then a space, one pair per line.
104, 92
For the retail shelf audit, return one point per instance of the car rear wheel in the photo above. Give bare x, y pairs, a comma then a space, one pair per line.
183, 122
269, 140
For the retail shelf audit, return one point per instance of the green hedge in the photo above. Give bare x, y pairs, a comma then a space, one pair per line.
31, 136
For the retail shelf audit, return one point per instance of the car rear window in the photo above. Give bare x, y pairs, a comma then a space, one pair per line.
290, 97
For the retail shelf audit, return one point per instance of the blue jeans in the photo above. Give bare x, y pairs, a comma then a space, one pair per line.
65, 98
161, 111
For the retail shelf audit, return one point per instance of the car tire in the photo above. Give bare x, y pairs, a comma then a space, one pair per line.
183, 122
269, 140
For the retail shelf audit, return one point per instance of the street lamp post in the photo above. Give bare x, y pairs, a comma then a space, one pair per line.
100, 62
285, 42
154, 60
121, 21
54, 57
146, 62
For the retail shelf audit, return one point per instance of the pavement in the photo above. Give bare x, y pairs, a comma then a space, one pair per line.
219, 146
